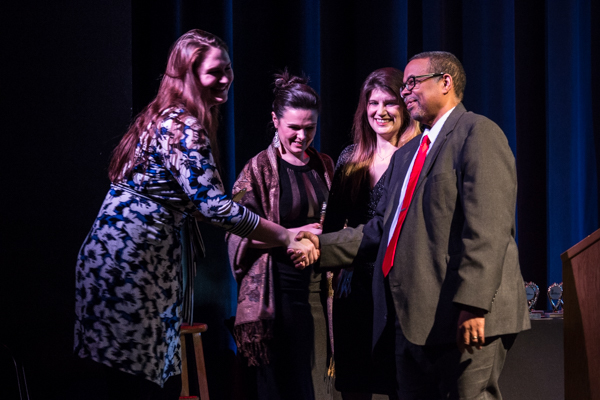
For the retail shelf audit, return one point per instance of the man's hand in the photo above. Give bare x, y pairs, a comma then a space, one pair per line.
301, 259
471, 332
312, 228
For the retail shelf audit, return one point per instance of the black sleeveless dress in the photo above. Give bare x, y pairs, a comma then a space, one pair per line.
353, 315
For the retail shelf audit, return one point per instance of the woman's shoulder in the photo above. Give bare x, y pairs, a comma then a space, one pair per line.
345, 156
177, 116
177, 125
262, 161
325, 158
256, 171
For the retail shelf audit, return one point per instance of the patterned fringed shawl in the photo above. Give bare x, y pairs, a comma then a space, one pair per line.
259, 184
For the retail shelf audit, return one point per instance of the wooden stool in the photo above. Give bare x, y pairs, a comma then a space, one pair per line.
196, 331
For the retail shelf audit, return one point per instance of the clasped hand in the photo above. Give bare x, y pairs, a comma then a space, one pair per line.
303, 249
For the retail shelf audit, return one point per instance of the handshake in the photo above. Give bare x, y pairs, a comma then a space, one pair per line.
304, 249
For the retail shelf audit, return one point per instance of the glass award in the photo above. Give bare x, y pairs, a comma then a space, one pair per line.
532, 292
555, 294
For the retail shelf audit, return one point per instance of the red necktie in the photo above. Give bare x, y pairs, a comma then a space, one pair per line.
388, 260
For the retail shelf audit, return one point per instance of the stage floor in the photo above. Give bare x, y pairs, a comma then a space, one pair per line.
534, 366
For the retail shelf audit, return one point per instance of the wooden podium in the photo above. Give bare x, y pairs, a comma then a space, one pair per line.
581, 292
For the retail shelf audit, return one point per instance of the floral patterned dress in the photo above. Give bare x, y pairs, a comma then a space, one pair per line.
128, 276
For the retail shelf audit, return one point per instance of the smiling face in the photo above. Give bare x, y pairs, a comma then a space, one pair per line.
297, 128
215, 75
426, 100
384, 113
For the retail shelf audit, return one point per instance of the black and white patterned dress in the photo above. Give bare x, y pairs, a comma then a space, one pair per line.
128, 276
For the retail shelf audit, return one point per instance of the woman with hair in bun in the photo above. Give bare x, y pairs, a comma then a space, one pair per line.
382, 125
287, 183
129, 291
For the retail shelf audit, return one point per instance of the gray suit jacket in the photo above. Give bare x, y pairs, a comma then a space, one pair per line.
457, 245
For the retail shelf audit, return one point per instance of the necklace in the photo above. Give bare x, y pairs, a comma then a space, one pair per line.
383, 158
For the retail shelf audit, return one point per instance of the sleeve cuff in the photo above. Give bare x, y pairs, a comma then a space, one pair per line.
472, 309
247, 223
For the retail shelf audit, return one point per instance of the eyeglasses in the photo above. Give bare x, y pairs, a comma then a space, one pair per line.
412, 81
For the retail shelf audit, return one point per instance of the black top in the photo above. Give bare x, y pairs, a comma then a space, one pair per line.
357, 368
302, 193
343, 208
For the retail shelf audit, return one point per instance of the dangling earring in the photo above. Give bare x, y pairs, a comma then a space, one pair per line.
276, 142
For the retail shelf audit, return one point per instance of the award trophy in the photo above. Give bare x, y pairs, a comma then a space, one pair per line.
532, 291
555, 293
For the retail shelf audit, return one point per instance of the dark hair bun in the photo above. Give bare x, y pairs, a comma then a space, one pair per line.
292, 91
285, 80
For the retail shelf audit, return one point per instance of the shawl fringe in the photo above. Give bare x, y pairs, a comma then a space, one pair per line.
258, 184
252, 341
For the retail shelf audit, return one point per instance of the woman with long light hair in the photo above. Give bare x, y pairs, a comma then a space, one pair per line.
129, 294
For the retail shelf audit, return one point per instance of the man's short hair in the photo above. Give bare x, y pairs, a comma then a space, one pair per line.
442, 61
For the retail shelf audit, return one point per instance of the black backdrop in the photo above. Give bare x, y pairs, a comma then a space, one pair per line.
74, 73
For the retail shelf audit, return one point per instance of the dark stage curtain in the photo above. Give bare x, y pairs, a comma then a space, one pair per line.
74, 73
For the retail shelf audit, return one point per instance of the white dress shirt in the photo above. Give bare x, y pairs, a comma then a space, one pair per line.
432, 134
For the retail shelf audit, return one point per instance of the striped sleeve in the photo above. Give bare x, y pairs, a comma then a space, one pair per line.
247, 224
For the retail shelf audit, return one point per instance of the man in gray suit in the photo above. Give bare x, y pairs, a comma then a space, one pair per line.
453, 289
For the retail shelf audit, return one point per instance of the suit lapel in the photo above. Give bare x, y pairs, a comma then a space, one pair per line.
446, 130
405, 156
